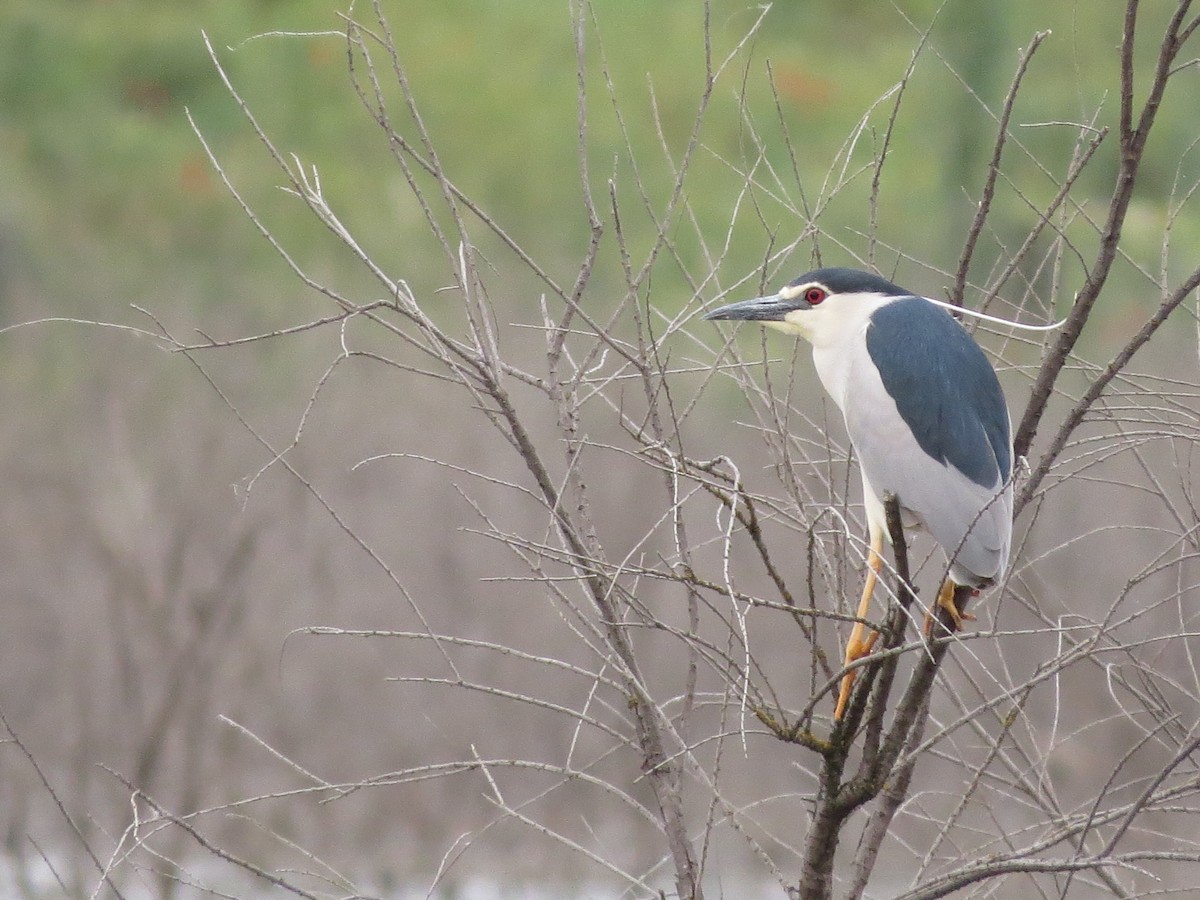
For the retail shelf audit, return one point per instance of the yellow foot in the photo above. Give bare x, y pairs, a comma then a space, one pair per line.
856, 649
859, 645
945, 599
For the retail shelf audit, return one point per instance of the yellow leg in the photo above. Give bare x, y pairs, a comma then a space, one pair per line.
859, 646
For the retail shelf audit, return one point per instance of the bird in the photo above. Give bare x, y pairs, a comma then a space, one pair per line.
926, 417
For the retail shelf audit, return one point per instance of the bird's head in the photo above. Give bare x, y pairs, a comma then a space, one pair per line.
818, 306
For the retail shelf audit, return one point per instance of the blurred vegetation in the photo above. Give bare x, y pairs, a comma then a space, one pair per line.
107, 197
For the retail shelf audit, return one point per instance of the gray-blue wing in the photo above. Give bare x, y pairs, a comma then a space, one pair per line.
928, 421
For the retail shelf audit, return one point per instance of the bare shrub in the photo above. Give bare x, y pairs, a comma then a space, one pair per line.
639, 686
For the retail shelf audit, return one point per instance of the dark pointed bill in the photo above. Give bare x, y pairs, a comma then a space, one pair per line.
760, 309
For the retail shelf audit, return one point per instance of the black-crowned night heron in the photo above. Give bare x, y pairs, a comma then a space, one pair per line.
925, 414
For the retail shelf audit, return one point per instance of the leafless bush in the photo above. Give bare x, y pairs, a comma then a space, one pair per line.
660, 708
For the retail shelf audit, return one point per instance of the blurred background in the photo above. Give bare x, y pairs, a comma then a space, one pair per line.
154, 566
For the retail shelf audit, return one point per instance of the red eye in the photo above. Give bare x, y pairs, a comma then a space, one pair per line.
814, 295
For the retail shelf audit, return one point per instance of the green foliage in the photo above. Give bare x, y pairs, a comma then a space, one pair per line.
105, 174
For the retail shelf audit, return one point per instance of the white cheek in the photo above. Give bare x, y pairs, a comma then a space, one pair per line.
795, 322
831, 324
